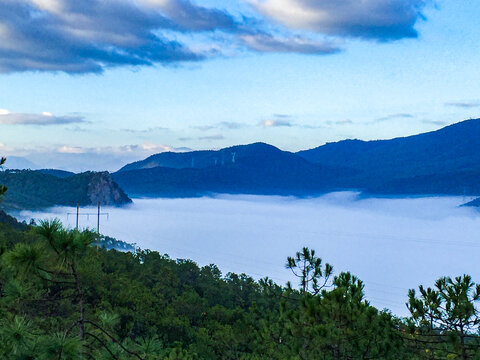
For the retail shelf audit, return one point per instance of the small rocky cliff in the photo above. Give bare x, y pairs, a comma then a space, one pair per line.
102, 188
29, 189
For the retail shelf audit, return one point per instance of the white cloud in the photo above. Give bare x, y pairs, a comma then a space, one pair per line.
212, 137
45, 118
464, 104
54, 6
151, 147
294, 44
71, 150
89, 36
79, 158
375, 19
275, 123
4, 148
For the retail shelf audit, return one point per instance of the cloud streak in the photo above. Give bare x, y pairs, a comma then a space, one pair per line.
231, 125
43, 119
269, 123
393, 117
368, 19
267, 43
212, 137
464, 104
339, 122
145, 131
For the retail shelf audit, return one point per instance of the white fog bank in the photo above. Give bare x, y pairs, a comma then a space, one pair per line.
391, 244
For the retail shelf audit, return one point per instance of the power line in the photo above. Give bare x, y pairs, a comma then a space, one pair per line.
98, 214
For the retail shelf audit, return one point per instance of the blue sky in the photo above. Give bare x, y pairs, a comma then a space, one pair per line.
94, 84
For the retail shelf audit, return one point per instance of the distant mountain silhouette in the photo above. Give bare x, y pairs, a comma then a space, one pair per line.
446, 161
19, 162
474, 203
205, 158
251, 169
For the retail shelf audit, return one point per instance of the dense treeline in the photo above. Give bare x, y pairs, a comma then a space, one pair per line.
62, 297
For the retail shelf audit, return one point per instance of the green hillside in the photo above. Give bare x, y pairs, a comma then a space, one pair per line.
33, 189
62, 297
446, 161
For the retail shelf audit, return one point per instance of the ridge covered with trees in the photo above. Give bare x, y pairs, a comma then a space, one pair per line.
62, 297
444, 162
29, 189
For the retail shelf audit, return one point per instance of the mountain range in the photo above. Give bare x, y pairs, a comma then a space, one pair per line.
441, 162
446, 161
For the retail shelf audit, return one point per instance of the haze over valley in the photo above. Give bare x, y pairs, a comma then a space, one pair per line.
393, 244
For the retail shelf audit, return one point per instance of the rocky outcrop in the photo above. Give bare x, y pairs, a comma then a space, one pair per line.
103, 189
35, 190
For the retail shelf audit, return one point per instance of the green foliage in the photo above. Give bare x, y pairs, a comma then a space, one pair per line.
111, 243
336, 324
446, 317
308, 267
64, 297
29, 189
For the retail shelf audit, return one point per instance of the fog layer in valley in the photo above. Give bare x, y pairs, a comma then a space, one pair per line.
391, 244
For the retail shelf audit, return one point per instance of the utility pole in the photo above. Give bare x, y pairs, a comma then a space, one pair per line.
98, 219
98, 214
78, 213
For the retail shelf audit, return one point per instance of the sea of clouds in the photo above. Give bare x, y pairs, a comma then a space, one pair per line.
391, 244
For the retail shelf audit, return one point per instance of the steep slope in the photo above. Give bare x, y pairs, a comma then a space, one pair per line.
31, 189
454, 147
446, 161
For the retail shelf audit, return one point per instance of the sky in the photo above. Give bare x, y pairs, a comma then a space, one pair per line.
95, 84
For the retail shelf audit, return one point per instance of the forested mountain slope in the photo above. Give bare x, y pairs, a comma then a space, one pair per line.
33, 189
250, 169
446, 161
211, 158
